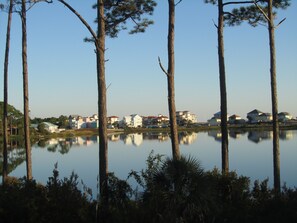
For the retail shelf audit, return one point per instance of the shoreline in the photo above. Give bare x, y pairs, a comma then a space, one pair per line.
200, 128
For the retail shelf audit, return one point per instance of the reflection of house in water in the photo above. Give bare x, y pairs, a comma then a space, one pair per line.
286, 135
187, 138
160, 136
216, 134
235, 134
135, 139
258, 136
114, 137
87, 141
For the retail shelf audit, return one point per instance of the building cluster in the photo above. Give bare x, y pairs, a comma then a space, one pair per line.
183, 118
253, 117
132, 121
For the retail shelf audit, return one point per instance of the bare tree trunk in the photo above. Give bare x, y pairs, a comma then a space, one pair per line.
276, 152
223, 91
5, 93
26, 91
99, 41
170, 82
103, 143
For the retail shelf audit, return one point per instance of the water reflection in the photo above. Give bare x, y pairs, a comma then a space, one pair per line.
17, 156
63, 145
258, 136
217, 135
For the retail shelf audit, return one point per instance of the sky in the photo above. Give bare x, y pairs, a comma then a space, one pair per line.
62, 68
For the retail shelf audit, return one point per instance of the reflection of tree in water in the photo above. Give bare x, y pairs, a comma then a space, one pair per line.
15, 157
42, 143
64, 147
52, 148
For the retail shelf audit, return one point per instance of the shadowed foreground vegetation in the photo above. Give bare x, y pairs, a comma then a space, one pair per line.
168, 191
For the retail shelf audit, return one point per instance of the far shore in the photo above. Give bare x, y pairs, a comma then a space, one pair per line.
198, 128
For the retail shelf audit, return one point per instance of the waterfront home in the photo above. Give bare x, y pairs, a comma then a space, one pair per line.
236, 119
50, 127
214, 121
131, 121
254, 116
112, 119
155, 121
218, 115
284, 116
265, 117
79, 122
185, 117
75, 121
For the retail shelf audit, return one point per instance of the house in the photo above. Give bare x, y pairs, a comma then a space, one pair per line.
265, 117
236, 119
218, 115
214, 121
185, 117
92, 122
112, 119
284, 116
79, 122
131, 121
155, 121
75, 121
254, 116
50, 127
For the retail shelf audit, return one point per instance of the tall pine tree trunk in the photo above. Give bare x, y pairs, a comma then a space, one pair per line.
5, 93
276, 152
103, 143
223, 91
170, 82
26, 92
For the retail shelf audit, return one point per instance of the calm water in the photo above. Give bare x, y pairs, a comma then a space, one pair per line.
250, 154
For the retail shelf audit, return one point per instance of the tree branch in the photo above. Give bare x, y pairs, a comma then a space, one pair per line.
261, 10
215, 24
280, 22
241, 2
178, 2
82, 20
161, 66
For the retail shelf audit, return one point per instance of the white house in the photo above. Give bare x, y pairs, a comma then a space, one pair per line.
214, 121
79, 122
184, 117
112, 119
131, 121
75, 121
50, 127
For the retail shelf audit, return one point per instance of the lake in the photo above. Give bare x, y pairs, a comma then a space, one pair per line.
250, 154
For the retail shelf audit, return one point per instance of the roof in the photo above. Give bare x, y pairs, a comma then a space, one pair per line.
113, 116
255, 111
266, 114
50, 124
284, 113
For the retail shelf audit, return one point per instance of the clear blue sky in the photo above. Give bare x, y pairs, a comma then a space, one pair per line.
62, 69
